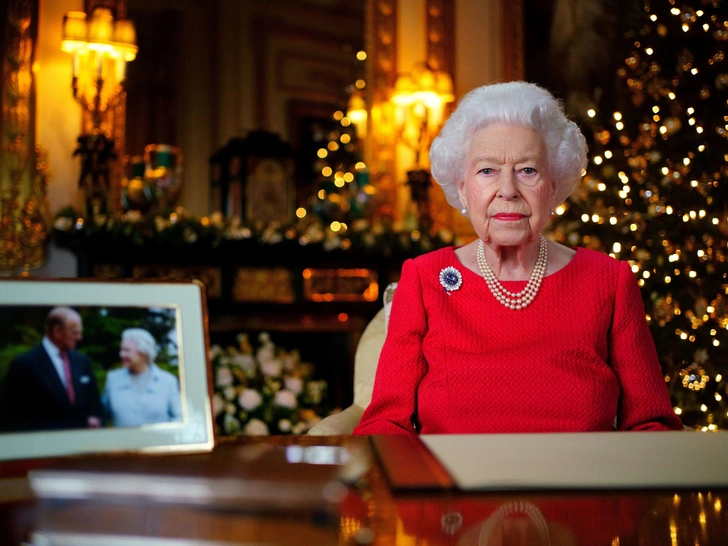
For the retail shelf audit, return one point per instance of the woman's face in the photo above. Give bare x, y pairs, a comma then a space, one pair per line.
131, 358
507, 188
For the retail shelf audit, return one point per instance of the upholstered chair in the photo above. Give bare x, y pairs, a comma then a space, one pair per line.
365, 367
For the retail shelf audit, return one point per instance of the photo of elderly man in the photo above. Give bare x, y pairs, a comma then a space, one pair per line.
52, 386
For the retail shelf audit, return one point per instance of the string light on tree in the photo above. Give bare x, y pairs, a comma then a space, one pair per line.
342, 190
655, 193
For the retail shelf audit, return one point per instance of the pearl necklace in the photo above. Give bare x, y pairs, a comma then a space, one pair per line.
514, 300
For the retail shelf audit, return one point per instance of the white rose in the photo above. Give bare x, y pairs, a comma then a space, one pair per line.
228, 393
299, 427
284, 425
246, 362
266, 353
231, 424
290, 360
285, 399
249, 399
256, 427
215, 351
223, 377
294, 384
271, 368
218, 404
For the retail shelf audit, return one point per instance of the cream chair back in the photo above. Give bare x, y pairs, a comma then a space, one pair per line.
368, 349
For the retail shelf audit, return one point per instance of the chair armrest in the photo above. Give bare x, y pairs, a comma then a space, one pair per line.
338, 423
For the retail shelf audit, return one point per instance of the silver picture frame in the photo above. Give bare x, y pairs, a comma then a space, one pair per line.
185, 301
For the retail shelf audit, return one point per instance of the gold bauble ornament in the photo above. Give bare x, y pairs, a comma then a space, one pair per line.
136, 195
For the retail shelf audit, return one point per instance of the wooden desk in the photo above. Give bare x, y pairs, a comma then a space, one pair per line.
372, 514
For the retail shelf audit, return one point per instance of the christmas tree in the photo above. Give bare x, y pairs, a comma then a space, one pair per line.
341, 180
655, 193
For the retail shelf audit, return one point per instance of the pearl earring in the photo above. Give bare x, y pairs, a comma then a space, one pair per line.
552, 213
464, 211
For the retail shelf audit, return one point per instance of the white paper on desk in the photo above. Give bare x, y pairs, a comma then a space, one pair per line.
584, 460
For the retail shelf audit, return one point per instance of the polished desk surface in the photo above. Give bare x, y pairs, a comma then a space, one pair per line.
371, 513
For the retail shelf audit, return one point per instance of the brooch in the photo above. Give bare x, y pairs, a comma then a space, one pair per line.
450, 279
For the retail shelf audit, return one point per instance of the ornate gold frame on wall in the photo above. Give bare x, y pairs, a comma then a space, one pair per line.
381, 46
23, 166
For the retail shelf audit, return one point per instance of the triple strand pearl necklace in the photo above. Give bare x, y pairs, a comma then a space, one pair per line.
514, 300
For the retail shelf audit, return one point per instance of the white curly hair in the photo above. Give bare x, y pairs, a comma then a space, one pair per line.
144, 341
516, 103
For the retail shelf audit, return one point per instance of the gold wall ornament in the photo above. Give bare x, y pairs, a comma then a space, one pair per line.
440, 33
10, 251
381, 47
101, 42
23, 168
34, 216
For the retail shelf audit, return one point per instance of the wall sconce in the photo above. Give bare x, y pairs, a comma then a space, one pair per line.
357, 113
101, 47
419, 99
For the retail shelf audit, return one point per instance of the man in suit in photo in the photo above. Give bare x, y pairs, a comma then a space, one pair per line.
52, 386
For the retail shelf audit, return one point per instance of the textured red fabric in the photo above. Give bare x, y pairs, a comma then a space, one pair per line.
579, 358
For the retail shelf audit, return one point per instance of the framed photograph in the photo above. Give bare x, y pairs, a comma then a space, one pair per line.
97, 366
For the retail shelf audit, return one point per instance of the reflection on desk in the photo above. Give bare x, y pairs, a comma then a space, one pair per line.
370, 513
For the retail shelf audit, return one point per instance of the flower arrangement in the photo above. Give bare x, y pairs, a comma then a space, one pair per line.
266, 391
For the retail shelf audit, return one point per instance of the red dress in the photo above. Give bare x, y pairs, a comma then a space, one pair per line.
579, 358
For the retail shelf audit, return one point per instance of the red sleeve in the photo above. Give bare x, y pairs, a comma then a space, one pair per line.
401, 362
644, 402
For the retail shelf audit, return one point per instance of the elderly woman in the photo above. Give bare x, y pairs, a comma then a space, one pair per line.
140, 392
513, 332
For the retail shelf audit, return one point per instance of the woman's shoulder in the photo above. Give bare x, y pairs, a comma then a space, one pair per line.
164, 375
598, 268
116, 375
595, 258
436, 258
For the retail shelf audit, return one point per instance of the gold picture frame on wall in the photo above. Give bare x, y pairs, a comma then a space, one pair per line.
28, 433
